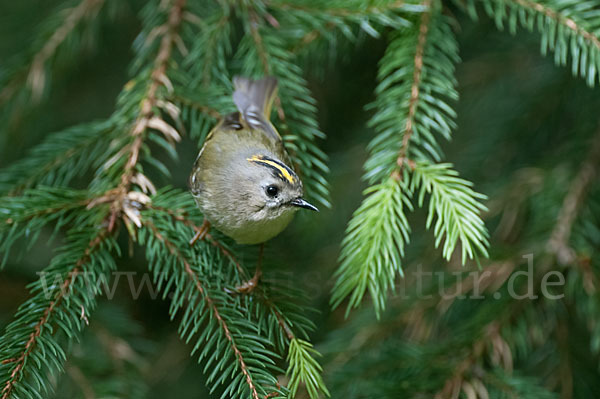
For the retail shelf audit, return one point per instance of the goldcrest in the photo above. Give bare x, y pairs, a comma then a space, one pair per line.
242, 179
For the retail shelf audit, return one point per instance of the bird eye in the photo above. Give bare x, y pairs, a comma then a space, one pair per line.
272, 191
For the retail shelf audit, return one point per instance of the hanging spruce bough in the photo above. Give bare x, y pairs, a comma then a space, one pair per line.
180, 83
414, 112
417, 80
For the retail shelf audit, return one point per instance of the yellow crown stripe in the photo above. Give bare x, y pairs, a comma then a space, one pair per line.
283, 170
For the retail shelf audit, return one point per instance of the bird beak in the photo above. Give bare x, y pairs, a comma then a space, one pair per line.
299, 202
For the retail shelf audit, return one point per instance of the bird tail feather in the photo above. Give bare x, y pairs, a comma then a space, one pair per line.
254, 96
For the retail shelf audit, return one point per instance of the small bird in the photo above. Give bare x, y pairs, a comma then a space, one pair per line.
241, 180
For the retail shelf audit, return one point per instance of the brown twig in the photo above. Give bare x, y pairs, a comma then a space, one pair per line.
206, 75
172, 248
181, 216
82, 382
415, 89
19, 362
280, 320
459, 381
147, 118
260, 48
558, 244
344, 12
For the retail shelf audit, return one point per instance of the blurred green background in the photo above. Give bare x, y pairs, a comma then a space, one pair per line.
517, 111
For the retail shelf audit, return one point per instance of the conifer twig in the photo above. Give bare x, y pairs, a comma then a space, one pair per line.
260, 48
179, 215
414, 91
565, 21
558, 244
344, 12
150, 99
36, 76
147, 116
209, 301
205, 109
19, 362
501, 352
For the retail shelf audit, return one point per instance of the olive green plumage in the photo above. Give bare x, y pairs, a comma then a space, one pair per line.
241, 179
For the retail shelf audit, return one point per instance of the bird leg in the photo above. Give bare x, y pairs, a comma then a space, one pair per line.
248, 286
201, 232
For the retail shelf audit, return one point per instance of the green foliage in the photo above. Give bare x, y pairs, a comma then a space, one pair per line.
374, 245
62, 157
95, 183
302, 368
109, 360
421, 117
68, 32
28, 214
568, 28
455, 208
33, 344
416, 77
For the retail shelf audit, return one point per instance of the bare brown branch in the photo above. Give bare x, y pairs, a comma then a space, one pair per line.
559, 240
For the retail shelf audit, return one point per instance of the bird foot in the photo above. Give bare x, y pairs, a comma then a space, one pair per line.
201, 232
248, 286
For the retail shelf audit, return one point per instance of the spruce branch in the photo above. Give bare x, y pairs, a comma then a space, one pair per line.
291, 322
562, 19
232, 334
200, 106
570, 29
30, 347
276, 315
27, 215
320, 16
35, 73
182, 216
415, 85
304, 368
120, 197
60, 158
211, 43
457, 208
373, 246
147, 117
416, 80
337, 8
